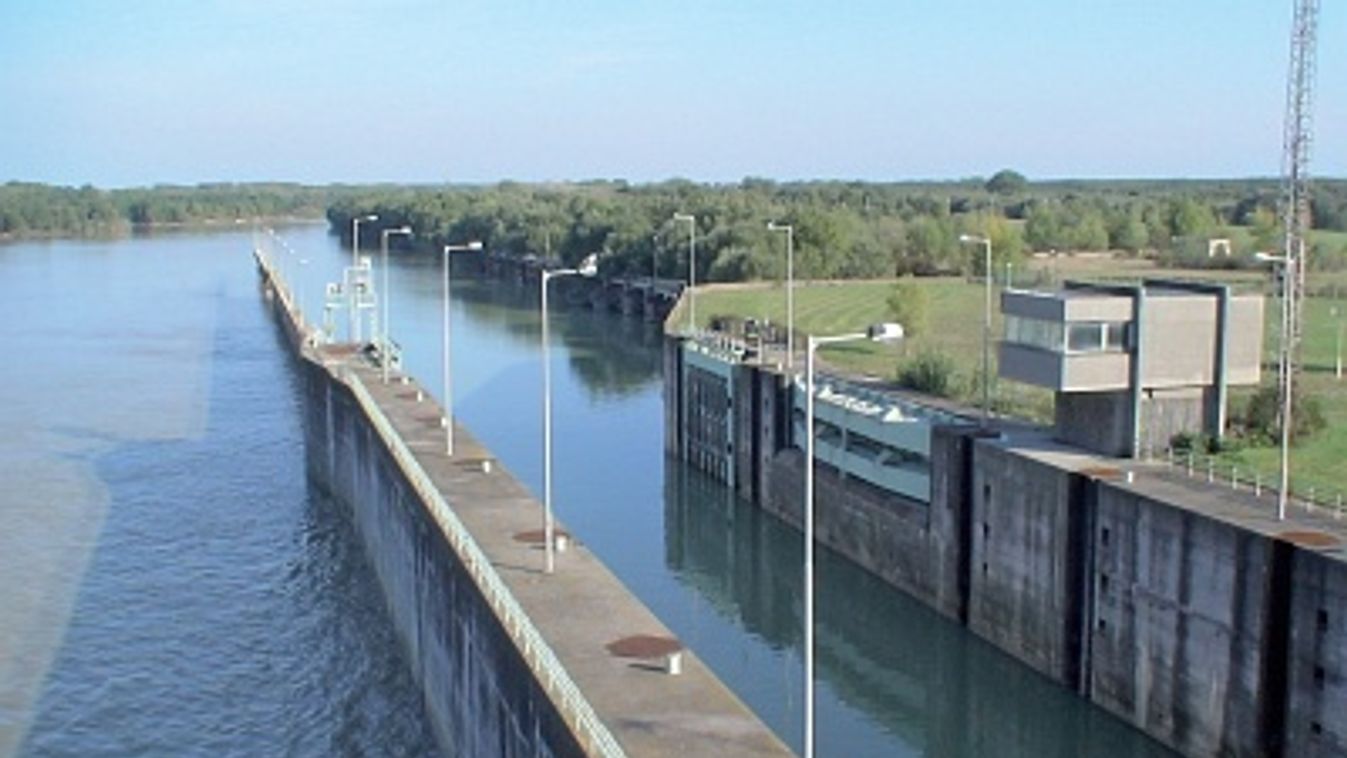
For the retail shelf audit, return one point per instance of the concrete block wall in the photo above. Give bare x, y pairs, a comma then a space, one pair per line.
1179, 625
1316, 713
1022, 588
884, 533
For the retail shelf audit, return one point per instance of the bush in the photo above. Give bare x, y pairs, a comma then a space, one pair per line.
931, 371
1260, 417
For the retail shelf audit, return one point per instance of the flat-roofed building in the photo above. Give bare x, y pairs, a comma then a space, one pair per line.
1133, 365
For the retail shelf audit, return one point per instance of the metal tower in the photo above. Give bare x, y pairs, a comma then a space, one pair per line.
1296, 139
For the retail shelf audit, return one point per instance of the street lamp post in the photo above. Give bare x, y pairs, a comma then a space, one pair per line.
303, 264
1336, 313
587, 268
692, 267
387, 295
986, 321
354, 296
1284, 373
447, 375
790, 288
887, 332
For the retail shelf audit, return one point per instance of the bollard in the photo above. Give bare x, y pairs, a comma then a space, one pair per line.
562, 542
1309, 503
1211, 470
1190, 463
673, 663
444, 422
486, 466
1257, 484
1131, 476
420, 396
1234, 477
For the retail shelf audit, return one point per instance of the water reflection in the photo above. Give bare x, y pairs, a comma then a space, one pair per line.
917, 675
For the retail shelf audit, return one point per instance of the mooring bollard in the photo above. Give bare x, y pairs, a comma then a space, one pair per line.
673, 663
1234, 477
1211, 470
1190, 463
1257, 484
420, 396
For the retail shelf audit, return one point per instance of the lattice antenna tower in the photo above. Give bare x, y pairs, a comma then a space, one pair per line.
1296, 139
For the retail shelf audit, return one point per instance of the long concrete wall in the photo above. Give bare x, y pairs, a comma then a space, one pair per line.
1182, 608
481, 696
510, 660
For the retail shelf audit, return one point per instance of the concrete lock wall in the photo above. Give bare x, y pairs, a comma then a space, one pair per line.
1209, 636
1179, 634
480, 695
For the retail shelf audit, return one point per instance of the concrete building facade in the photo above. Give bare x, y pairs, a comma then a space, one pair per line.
1133, 365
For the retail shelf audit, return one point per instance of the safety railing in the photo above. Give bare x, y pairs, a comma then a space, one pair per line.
577, 711
1218, 471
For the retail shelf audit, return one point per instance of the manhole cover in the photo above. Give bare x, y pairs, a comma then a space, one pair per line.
1102, 472
1310, 539
643, 646
535, 536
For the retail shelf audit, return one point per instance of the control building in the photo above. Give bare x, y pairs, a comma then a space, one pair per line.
1133, 365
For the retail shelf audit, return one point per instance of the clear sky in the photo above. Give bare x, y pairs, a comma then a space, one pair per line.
130, 92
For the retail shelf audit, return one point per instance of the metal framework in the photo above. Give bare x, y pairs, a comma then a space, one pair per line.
1296, 141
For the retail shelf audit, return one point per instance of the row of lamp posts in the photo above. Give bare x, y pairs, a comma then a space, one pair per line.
884, 332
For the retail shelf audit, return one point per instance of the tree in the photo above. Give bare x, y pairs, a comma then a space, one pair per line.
1007, 182
909, 304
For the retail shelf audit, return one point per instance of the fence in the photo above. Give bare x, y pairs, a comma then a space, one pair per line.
1217, 471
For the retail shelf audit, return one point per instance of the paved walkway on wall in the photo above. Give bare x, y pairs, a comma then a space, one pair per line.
581, 608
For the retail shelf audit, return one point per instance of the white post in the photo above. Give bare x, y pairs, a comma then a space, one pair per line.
548, 548
387, 295
692, 267
790, 289
811, 346
447, 378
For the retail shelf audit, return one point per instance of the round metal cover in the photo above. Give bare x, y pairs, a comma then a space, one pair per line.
643, 646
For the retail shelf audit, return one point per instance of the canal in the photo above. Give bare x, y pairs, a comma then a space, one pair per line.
180, 589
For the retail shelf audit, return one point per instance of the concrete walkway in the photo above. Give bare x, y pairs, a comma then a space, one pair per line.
581, 608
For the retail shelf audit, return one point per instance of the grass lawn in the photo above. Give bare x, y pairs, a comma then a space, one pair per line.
955, 328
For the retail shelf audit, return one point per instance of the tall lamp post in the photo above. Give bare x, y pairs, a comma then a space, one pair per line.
1288, 265
447, 376
692, 267
887, 332
587, 268
986, 321
1336, 313
790, 288
355, 262
387, 294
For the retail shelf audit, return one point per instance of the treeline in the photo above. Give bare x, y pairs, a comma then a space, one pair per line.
44, 210
843, 229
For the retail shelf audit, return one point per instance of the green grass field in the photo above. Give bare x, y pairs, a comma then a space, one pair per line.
955, 328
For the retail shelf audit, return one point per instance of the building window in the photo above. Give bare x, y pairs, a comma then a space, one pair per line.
1096, 337
1070, 337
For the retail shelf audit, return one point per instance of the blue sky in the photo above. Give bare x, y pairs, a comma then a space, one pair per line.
145, 91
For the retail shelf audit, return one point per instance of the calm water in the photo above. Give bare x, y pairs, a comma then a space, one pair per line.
181, 590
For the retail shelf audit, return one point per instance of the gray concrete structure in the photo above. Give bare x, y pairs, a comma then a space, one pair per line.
1133, 365
510, 661
1182, 607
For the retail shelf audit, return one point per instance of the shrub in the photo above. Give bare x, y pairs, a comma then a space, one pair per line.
1260, 417
931, 371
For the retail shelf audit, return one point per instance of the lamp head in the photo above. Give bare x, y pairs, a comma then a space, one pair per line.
371, 217
888, 331
589, 266
973, 238
474, 245
403, 230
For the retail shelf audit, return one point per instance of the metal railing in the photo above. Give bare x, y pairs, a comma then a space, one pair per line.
576, 710
1217, 471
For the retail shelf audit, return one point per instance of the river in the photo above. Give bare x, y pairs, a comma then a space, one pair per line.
175, 587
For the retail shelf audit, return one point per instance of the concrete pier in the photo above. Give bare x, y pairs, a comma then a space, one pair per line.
510, 660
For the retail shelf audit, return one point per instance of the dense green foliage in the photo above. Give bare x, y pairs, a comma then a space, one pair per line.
847, 229
45, 210
931, 372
